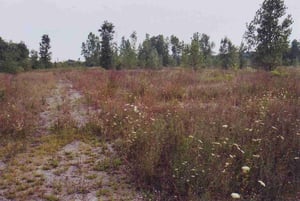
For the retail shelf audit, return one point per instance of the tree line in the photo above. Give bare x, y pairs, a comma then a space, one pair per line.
15, 57
265, 44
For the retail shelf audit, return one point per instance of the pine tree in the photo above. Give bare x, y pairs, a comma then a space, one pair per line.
45, 54
107, 35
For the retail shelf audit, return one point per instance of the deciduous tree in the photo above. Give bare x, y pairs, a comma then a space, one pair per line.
91, 50
228, 54
206, 48
268, 33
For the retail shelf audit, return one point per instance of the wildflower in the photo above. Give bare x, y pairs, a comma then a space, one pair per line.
232, 156
296, 158
227, 164
225, 126
216, 143
191, 136
256, 156
135, 109
261, 183
245, 169
238, 147
256, 140
235, 196
184, 163
281, 137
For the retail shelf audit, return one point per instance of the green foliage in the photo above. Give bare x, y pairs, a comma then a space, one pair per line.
161, 45
292, 57
13, 57
153, 52
268, 33
228, 55
192, 55
196, 56
206, 48
128, 56
45, 54
107, 34
147, 55
34, 59
176, 47
91, 50
199, 52
243, 60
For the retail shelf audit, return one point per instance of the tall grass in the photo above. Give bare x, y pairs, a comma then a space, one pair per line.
22, 98
186, 135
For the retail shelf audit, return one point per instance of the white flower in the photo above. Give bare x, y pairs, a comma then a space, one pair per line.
238, 147
245, 169
191, 136
281, 137
235, 196
256, 140
135, 109
232, 156
262, 183
225, 126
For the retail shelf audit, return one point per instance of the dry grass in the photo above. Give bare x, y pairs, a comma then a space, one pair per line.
189, 134
22, 98
186, 135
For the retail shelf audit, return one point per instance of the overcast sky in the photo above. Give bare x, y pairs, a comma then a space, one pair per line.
68, 22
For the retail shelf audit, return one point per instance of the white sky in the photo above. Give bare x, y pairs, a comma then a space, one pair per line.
68, 22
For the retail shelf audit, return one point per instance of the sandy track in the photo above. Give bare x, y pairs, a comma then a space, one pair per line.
86, 170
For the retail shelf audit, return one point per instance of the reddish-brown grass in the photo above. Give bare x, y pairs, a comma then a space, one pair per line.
184, 134
188, 133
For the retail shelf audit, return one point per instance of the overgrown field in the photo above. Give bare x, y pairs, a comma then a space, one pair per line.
184, 135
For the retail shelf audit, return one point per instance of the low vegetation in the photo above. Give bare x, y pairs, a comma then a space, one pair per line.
183, 134
190, 135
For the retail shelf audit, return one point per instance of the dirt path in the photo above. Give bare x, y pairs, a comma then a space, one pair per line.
66, 167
